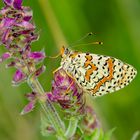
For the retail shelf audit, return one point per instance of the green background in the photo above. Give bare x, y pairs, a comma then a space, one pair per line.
61, 22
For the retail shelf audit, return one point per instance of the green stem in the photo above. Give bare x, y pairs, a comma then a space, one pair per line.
72, 127
48, 108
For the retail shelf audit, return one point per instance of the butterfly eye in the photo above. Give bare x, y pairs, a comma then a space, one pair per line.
66, 51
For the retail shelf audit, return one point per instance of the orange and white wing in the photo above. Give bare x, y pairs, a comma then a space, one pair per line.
99, 74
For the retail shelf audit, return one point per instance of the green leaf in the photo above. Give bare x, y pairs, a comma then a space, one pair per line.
107, 136
96, 135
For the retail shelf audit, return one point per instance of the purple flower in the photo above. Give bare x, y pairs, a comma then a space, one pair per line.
32, 97
18, 76
17, 33
5, 28
8, 2
17, 4
27, 13
66, 92
28, 108
25, 25
5, 56
6, 23
13, 3
15, 25
37, 56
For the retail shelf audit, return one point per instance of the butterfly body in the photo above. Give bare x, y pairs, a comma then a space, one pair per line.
96, 74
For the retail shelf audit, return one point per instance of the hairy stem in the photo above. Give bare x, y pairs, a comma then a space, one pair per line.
48, 108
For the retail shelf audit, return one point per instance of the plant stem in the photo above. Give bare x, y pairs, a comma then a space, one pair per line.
72, 127
48, 108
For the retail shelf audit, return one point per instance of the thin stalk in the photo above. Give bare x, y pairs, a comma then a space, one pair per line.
48, 108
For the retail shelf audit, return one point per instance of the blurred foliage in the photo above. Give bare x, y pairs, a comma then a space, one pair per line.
116, 23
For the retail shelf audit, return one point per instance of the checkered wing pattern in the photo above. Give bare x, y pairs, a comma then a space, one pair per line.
99, 74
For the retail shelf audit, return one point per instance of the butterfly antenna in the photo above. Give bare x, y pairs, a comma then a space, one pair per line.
82, 38
91, 43
54, 57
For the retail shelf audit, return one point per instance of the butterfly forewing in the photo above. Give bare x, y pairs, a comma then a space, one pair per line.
98, 74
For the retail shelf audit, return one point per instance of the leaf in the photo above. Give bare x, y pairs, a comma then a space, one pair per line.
107, 136
96, 135
78, 134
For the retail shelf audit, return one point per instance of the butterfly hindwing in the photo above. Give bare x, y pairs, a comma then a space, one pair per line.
99, 74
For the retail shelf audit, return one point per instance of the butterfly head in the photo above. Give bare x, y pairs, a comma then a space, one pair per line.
64, 51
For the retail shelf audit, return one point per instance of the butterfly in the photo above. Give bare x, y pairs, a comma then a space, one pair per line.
96, 74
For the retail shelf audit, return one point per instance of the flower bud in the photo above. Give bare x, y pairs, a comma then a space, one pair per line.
19, 76
28, 108
36, 56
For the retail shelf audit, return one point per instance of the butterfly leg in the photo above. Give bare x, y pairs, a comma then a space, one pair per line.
70, 75
67, 90
56, 70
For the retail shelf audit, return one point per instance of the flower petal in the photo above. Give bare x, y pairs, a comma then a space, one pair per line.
37, 56
17, 4
19, 76
5, 37
5, 56
28, 108
5, 28
26, 25
27, 13
4, 10
8, 2
6, 23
